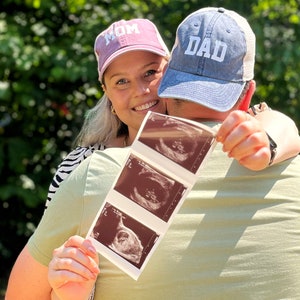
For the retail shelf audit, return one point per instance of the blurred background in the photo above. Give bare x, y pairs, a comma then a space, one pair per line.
48, 79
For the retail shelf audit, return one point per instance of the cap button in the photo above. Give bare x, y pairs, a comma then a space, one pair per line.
221, 10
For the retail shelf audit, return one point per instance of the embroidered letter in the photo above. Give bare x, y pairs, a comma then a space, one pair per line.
108, 37
204, 48
220, 51
194, 42
132, 29
120, 31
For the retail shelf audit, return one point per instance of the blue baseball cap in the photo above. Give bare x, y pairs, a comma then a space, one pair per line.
211, 60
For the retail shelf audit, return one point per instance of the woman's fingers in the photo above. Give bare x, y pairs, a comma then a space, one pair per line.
76, 261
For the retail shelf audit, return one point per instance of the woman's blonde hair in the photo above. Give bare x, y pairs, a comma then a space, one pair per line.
100, 125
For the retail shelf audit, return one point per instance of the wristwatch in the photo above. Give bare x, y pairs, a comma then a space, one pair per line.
273, 149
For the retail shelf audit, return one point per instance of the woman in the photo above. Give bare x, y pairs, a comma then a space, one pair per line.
130, 91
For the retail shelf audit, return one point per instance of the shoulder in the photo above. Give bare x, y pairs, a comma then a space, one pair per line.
115, 155
79, 154
101, 166
108, 159
69, 164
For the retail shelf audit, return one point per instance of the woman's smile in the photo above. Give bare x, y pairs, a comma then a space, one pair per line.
146, 106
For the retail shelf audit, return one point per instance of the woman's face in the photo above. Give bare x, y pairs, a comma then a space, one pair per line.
131, 83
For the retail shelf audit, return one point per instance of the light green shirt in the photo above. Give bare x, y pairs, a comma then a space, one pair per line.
237, 235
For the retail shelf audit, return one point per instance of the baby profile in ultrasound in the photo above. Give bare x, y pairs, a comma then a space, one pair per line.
149, 188
124, 235
183, 143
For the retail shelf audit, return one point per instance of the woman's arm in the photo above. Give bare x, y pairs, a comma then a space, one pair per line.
28, 279
71, 274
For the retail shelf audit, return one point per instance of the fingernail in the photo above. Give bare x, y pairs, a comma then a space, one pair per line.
92, 250
95, 271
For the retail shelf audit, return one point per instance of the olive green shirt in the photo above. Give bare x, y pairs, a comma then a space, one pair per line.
236, 236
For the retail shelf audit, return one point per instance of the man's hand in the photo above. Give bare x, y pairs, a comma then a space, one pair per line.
244, 139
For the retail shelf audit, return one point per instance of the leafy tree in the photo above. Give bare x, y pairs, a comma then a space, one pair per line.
276, 24
48, 79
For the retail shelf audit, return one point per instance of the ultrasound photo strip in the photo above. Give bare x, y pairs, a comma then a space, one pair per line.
160, 170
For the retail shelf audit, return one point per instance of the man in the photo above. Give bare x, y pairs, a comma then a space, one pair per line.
236, 235
247, 242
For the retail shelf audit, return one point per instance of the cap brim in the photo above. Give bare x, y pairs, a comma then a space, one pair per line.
215, 94
126, 49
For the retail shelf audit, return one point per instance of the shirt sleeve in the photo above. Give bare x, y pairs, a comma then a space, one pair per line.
62, 218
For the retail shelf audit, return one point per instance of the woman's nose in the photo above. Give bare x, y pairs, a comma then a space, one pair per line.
142, 87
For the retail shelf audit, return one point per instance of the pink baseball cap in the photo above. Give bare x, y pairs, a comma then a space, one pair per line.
123, 36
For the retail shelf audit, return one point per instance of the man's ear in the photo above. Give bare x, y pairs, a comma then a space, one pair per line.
245, 102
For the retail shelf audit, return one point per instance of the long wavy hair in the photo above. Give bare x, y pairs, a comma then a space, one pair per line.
100, 125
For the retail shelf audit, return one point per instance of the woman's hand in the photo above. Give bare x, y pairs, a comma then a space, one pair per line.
244, 139
73, 269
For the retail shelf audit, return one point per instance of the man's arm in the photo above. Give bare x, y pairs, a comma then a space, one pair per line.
283, 131
244, 138
28, 279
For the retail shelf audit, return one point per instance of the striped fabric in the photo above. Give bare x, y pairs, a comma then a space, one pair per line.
70, 162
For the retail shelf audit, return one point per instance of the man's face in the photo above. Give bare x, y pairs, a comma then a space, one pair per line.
193, 111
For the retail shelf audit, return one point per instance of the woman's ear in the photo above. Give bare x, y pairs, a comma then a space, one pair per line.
245, 102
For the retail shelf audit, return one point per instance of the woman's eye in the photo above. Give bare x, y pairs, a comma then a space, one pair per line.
122, 81
150, 73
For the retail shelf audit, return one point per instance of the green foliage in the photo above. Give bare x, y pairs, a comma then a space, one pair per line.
48, 79
278, 54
